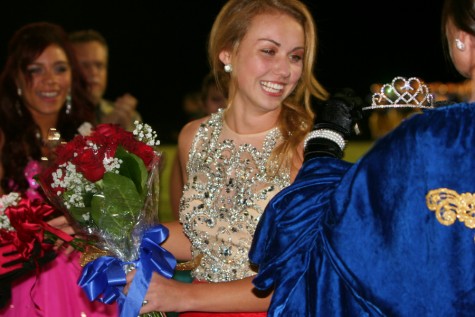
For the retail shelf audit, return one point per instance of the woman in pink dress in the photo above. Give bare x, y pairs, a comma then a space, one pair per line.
41, 88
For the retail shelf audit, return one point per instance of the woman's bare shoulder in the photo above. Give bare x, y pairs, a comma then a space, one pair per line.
189, 130
187, 135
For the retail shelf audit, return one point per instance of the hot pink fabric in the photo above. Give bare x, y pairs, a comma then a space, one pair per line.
55, 292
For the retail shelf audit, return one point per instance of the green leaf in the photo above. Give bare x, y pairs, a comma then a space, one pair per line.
116, 209
132, 167
81, 214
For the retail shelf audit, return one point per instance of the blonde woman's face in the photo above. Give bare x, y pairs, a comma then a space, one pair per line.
269, 61
50, 83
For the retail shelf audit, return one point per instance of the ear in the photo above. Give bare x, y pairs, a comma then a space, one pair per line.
466, 38
469, 40
225, 57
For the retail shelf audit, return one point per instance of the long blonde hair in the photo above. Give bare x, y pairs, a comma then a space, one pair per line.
229, 28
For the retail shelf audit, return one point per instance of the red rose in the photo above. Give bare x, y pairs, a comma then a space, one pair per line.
142, 150
65, 152
112, 132
89, 163
45, 178
107, 130
146, 153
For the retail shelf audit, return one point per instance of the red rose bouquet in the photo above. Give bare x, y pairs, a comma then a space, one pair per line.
107, 184
26, 239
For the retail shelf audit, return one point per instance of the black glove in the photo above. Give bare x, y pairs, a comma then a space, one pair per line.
336, 121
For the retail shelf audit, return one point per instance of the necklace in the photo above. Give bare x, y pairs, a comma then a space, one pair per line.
52, 137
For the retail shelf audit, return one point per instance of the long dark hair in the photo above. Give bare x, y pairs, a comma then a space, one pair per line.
18, 130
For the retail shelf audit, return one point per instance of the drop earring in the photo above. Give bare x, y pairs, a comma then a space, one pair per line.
18, 109
228, 68
17, 103
68, 104
459, 44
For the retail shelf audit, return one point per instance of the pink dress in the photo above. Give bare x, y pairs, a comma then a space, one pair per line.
55, 293
53, 290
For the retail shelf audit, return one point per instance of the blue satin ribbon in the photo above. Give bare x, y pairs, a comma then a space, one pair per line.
103, 279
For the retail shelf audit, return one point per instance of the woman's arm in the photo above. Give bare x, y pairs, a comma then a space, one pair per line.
176, 186
236, 296
178, 243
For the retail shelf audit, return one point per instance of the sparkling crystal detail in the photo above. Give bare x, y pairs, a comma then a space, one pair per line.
228, 179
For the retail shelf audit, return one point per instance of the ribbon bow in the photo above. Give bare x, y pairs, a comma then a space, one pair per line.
104, 278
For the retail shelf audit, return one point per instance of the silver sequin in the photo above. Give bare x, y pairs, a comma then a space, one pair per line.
226, 192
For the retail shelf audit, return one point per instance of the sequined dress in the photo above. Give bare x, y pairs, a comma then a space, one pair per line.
226, 192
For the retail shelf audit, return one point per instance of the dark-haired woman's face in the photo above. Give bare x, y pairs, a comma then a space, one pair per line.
461, 57
50, 82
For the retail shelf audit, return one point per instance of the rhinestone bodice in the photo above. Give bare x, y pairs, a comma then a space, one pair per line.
226, 192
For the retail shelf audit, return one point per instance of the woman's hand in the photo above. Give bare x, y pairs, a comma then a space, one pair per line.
168, 295
165, 295
62, 223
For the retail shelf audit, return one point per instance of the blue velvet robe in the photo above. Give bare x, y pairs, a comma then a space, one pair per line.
359, 240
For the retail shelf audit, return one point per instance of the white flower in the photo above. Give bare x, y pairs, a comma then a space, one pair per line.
144, 133
85, 129
111, 164
67, 178
6, 201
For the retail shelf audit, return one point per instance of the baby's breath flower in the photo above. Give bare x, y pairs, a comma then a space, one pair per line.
144, 133
67, 178
8, 200
5, 223
111, 164
5, 202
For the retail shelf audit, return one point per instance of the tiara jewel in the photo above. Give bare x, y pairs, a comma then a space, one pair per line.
402, 93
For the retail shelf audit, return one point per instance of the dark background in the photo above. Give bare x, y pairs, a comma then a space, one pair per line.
158, 48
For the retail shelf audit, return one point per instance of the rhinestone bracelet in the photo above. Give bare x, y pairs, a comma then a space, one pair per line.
326, 134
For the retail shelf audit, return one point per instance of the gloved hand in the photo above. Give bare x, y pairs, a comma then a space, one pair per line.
335, 121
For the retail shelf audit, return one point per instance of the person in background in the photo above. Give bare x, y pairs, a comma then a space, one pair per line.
212, 95
391, 235
41, 87
92, 53
234, 161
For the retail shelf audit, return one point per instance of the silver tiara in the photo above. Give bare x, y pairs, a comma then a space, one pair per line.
402, 93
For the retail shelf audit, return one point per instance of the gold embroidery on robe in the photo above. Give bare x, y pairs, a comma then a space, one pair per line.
449, 206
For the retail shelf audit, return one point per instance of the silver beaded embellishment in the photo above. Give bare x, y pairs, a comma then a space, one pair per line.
326, 134
226, 192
